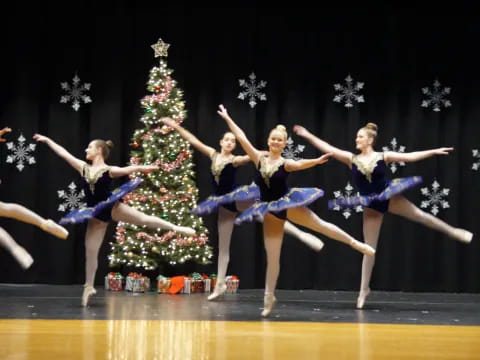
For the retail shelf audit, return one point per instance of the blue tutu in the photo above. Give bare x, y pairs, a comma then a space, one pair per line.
83, 214
295, 197
394, 187
243, 193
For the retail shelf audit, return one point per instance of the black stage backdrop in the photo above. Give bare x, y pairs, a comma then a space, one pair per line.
301, 53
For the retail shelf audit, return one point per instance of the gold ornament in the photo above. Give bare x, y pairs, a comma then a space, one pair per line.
161, 48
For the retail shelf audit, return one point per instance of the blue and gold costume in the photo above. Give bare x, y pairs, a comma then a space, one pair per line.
275, 196
100, 200
374, 188
226, 192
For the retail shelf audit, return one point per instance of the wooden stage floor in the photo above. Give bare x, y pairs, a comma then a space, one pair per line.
47, 322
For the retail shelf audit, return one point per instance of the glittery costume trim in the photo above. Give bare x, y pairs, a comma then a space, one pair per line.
267, 170
93, 178
217, 168
367, 169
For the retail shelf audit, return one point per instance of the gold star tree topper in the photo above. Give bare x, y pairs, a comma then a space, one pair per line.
160, 48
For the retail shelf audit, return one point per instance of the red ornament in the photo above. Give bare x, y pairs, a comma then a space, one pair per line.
135, 144
158, 88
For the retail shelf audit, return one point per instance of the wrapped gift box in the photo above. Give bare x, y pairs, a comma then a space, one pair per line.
187, 282
213, 281
232, 283
196, 283
114, 281
137, 283
163, 284
207, 285
197, 286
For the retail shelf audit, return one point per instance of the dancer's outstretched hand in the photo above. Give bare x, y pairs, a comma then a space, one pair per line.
223, 111
169, 121
40, 138
3, 132
149, 168
324, 158
443, 150
185, 230
300, 131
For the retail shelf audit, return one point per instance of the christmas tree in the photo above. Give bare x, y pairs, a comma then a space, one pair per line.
169, 193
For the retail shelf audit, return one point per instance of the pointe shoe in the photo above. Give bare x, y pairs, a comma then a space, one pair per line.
361, 298
53, 228
88, 290
23, 257
363, 248
220, 289
312, 241
463, 235
269, 301
184, 230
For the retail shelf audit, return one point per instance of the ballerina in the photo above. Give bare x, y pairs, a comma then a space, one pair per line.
379, 195
103, 204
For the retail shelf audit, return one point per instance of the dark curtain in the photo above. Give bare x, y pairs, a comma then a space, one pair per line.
301, 53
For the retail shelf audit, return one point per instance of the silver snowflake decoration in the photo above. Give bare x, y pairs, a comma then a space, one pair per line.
71, 199
349, 92
292, 151
436, 97
347, 211
20, 153
476, 156
395, 148
436, 198
75, 93
252, 90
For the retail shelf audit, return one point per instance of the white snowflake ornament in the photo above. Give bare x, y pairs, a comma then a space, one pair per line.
346, 211
292, 151
395, 148
252, 90
71, 200
349, 93
476, 156
436, 97
436, 198
20, 153
75, 93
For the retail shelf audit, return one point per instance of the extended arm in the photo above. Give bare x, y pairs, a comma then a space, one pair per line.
241, 160
116, 171
297, 165
251, 151
187, 135
77, 164
338, 154
390, 156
